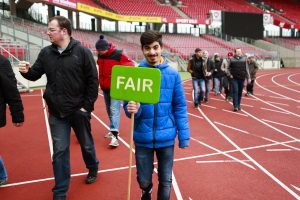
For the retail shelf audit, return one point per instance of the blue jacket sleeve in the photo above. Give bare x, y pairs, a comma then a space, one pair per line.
180, 113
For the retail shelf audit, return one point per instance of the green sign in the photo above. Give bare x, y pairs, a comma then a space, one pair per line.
135, 84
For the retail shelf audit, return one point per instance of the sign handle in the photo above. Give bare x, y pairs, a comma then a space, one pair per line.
130, 156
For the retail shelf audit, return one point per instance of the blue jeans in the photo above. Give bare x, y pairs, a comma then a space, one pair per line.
113, 111
237, 86
218, 84
3, 174
199, 88
144, 163
207, 88
60, 133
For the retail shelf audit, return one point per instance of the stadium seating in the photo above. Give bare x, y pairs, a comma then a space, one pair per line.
140, 8
290, 8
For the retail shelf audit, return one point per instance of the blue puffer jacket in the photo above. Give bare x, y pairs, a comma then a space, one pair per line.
156, 125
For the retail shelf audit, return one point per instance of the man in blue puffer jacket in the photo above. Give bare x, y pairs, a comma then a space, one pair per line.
156, 125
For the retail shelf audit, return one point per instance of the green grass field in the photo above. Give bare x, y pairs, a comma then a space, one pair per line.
185, 75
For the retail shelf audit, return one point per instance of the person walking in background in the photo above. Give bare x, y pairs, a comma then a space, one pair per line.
238, 72
10, 95
108, 56
218, 75
208, 69
195, 68
157, 125
71, 91
253, 67
226, 79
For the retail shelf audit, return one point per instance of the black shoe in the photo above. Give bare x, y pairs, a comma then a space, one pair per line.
196, 105
235, 109
239, 108
92, 176
206, 100
59, 197
146, 195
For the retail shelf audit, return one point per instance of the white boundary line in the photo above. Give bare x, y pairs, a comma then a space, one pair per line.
282, 112
219, 161
288, 98
251, 159
279, 143
296, 188
282, 104
281, 124
195, 116
289, 78
235, 150
225, 154
227, 126
47, 126
283, 85
276, 150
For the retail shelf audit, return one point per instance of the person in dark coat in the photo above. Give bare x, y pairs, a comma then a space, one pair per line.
208, 69
10, 95
218, 74
71, 91
253, 67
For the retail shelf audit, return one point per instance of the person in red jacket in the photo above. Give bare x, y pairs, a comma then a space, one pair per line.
108, 56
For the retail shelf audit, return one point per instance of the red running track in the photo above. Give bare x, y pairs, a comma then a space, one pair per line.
252, 154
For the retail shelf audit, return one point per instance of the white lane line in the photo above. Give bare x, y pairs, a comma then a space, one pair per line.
260, 95
47, 126
235, 150
234, 112
227, 126
273, 80
208, 106
275, 110
275, 97
217, 99
279, 143
176, 187
281, 95
289, 78
250, 158
297, 188
282, 104
225, 154
279, 108
188, 93
279, 150
281, 124
219, 161
174, 183
52, 178
246, 105
195, 116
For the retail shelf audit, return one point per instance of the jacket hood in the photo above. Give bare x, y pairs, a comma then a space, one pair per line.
163, 65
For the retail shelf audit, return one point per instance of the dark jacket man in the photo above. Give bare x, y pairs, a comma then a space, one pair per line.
74, 65
9, 94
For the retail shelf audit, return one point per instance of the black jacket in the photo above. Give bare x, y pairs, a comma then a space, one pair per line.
72, 78
9, 93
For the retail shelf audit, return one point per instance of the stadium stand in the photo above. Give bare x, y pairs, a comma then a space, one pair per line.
140, 8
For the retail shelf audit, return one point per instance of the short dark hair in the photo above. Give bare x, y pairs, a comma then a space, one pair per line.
63, 22
151, 36
197, 50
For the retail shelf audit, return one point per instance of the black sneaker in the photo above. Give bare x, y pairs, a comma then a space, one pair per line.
59, 197
235, 109
92, 176
146, 195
